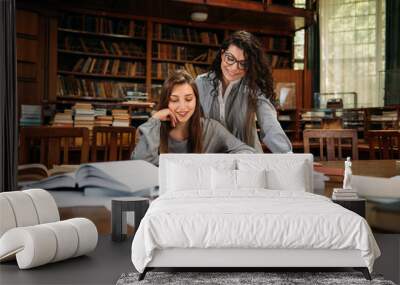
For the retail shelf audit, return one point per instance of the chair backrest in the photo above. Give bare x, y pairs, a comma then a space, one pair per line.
117, 143
331, 140
385, 142
54, 144
334, 123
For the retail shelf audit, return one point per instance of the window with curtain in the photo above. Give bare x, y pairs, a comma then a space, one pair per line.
299, 40
352, 48
299, 50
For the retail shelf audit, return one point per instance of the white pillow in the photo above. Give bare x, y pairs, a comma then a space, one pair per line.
293, 181
282, 174
223, 179
182, 177
251, 178
186, 174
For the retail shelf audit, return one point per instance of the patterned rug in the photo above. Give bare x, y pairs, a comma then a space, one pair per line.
242, 278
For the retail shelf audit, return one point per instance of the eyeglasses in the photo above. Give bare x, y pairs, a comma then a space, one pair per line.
230, 60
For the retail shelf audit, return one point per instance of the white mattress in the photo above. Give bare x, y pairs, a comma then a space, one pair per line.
253, 218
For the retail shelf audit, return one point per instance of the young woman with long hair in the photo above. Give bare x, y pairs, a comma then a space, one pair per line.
179, 127
238, 89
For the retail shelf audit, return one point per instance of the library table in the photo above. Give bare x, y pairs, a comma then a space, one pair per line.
373, 168
381, 217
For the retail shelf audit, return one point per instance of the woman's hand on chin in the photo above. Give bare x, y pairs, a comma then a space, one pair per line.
166, 115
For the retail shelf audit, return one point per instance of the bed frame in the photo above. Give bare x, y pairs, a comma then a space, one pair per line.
246, 258
242, 259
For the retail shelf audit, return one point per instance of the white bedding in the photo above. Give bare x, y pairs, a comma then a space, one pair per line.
252, 218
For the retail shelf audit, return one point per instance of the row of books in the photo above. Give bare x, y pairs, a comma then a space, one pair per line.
102, 25
162, 70
277, 61
276, 43
136, 96
313, 116
168, 51
101, 46
195, 70
344, 194
177, 33
103, 66
71, 86
385, 116
352, 115
84, 115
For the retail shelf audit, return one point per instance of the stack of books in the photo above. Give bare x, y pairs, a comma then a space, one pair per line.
121, 118
63, 119
136, 96
344, 194
84, 115
31, 115
103, 121
100, 112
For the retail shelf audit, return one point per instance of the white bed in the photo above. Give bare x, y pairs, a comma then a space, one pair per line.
218, 210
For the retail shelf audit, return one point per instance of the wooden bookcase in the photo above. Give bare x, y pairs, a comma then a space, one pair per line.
360, 119
385, 118
100, 57
90, 45
279, 50
177, 46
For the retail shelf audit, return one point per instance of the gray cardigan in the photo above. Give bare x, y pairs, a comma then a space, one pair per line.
216, 139
236, 107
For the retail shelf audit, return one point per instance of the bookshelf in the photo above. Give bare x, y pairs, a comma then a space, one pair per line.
101, 58
288, 118
176, 46
279, 50
361, 119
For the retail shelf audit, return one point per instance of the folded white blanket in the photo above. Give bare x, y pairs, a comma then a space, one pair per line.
256, 218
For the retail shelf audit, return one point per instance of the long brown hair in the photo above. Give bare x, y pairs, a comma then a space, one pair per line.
258, 76
195, 140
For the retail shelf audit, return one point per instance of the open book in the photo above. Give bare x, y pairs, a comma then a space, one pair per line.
38, 171
105, 178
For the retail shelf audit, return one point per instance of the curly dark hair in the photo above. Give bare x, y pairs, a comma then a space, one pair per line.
258, 76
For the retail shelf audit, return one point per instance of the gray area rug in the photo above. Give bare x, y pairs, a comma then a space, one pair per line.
228, 278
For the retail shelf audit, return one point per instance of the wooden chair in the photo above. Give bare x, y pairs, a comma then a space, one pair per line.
333, 123
386, 142
54, 145
117, 143
332, 139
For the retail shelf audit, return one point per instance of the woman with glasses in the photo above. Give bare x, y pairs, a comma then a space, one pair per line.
237, 90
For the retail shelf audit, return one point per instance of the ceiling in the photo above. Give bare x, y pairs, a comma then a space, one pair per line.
181, 10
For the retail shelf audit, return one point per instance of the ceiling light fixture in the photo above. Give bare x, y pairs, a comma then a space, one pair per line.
199, 16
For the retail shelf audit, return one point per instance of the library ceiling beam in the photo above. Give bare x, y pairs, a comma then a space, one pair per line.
302, 17
253, 6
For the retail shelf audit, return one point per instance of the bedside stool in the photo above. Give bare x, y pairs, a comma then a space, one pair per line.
119, 207
356, 205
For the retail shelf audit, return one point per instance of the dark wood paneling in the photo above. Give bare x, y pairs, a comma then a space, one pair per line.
27, 23
27, 92
51, 82
27, 50
26, 71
